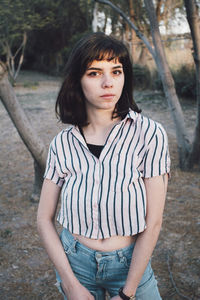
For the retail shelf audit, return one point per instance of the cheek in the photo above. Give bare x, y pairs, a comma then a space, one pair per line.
120, 85
84, 86
88, 90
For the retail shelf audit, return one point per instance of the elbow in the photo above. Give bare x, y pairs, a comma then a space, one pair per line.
42, 223
155, 226
39, 224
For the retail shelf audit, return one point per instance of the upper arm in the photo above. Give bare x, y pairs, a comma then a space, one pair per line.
156, 188
156, 160
53, 169
155, 170
48, 200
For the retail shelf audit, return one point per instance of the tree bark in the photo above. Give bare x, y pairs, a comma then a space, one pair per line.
144, 55
194, 23
30, 138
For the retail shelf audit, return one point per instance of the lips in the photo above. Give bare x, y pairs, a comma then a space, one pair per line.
107, 96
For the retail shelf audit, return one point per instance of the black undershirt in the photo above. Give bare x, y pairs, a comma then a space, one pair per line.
94, 149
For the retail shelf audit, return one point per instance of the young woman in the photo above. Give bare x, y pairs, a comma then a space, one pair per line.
111, 166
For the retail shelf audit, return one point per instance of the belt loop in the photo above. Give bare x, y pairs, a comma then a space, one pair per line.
121, 256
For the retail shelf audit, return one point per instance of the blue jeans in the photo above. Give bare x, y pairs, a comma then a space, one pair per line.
101, 271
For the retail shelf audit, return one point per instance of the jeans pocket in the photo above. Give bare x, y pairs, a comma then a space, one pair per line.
125, 258
59, 285
125, 261
68, 245
147, 276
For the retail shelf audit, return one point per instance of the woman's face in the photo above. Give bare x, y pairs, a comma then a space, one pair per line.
102, 84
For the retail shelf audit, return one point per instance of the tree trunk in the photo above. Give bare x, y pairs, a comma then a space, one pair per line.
23, 126
169, 86
38, 180
95, 18
143, 57
194, 23
134, 39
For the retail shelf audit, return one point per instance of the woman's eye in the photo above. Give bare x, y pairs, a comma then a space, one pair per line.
93, 74
117, 72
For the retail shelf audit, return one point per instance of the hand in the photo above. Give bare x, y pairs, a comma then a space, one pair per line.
116, 298
77, 293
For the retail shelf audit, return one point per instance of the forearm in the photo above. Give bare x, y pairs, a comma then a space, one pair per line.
55, 251
143, 249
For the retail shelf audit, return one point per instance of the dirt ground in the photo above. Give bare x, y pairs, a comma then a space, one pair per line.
25, 271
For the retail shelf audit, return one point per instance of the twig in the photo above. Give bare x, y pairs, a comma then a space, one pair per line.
172, 279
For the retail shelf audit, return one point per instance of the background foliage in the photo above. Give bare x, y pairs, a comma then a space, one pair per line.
52, 28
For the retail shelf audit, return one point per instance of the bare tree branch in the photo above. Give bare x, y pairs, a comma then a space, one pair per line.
22, 55
123, 15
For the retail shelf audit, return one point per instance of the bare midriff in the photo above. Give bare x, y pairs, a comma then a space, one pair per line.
106, 245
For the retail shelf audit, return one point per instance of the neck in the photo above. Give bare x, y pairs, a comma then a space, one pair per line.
99, 119
100, 124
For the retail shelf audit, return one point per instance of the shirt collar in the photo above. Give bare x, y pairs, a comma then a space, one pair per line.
130, 115
133, 115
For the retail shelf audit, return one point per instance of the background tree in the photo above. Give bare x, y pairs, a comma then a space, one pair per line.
49, 46
186, 157
167, 12
50, 28
20, 19
17, 19
27, 133
192, 12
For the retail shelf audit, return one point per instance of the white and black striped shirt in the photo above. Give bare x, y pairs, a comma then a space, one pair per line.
105, 197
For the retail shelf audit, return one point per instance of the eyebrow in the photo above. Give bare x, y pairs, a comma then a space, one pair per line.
99, 69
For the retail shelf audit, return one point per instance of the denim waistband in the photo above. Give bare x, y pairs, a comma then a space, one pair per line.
69, 239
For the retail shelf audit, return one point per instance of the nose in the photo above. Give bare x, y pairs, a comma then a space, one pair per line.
107, 81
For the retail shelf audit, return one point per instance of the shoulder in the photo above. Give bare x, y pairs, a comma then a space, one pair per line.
150, 129
58, 140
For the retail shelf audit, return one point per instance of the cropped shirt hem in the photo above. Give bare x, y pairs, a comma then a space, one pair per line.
105, 236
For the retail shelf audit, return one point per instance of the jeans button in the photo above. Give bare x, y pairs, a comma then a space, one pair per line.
98, 255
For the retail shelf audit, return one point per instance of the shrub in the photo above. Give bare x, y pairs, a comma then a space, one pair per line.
142, 76
184, 79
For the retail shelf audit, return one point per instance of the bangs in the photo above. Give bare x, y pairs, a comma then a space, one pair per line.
104, 50
109, 54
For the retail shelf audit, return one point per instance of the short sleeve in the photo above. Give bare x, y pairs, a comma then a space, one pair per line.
157, 159
51, 171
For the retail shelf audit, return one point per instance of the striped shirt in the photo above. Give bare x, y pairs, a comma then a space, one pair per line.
105, 197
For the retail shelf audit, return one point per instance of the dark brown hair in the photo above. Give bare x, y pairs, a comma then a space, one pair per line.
70, 104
